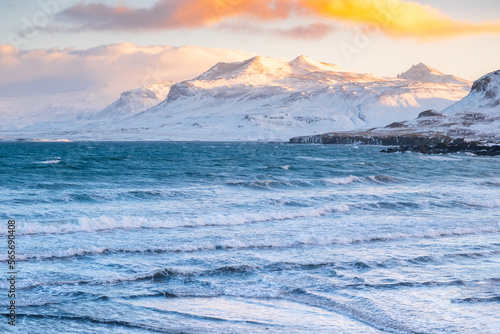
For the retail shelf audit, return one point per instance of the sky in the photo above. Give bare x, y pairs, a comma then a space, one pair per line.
65, 43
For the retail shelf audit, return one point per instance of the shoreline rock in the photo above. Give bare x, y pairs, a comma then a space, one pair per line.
370, 138
455, 146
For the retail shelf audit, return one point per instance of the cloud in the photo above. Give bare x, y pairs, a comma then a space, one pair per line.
396, 18
306, 32
125, 66
312, 31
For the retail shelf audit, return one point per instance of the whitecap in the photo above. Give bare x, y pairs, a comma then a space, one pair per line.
343, 180
94, 224
54, 160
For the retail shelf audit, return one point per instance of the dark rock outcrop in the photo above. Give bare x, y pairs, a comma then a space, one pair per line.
372, 139
396, 125
455, 146
430, 113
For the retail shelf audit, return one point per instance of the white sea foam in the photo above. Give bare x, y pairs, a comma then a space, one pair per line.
93, 224
268, 242
439, 157
55, 160
353, 179
343, 180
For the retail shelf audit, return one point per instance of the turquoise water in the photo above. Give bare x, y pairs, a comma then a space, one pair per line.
250, 238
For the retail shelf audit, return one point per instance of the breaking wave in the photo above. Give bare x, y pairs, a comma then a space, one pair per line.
87, 224
54, 160
301, 240
270, 184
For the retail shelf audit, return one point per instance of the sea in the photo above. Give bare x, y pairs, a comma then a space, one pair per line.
202, 237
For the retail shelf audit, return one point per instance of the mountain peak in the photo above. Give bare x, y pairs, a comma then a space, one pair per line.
484, 98
309, 64
424, 73
303, 59
269, 67
419, 71
487, 83
258, 59
265, 65
488, 89
258, 65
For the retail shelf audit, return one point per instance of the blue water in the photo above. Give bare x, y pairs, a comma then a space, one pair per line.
250, 238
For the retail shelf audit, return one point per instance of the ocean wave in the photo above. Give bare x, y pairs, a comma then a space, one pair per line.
383, 179
493, 299
492, 183
474, 255
397, 205
276, 243
145, 194
285, 167
88, 224
495, 203
53, 185
63, 254
290, 203
372, 316
161, 275
270, 184
227, 244
85, 320
439, 157
54, 160
405, 284
78, 197
345, 180
314, 158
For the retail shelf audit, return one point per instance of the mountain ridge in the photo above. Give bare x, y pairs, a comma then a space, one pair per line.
261, 98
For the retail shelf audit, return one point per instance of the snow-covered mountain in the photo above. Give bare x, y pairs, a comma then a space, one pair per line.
17, 113
134, 101
424, 73
474, 118
263, 99
272, 99
484, 97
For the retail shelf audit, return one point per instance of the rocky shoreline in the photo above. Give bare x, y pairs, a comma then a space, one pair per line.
370, 138
456, 146
405, 142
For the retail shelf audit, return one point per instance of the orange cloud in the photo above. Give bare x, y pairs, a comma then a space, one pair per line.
397, 18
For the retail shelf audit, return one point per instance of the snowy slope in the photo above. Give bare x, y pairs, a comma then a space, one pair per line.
20, 112
262, 99
484, 97
134, 101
